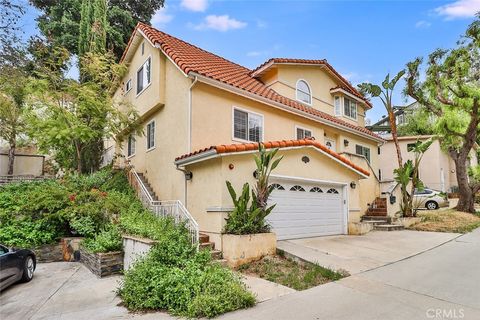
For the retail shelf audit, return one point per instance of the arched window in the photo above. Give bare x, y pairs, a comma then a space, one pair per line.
316, 189
297, 188
332, 190
304, 93
277, 186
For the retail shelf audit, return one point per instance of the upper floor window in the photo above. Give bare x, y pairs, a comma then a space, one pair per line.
303, 133
363, 151
131, 146
151, 135
143, 48
247, 126
144, 75
349, 108
338, 106
304, 93
128, 86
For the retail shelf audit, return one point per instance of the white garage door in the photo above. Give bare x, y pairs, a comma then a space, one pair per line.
306, 210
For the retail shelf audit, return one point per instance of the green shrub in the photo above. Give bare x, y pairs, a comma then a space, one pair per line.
199, 288
107, 240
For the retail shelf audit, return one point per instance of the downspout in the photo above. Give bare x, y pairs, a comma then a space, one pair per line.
185, 174
189, 144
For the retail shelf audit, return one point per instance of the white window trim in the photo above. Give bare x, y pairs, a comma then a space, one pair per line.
233, 125
341, 106
303, 128
151, 73
343, 109
127, 91
146, 136
309, 88
133, 154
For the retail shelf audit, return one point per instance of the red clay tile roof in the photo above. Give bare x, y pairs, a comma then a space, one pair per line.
346, 84
241, 147
190, 58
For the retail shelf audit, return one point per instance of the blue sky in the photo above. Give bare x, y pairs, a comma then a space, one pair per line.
363, 40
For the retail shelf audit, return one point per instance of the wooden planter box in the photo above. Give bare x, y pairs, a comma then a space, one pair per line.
102, 264
241, 249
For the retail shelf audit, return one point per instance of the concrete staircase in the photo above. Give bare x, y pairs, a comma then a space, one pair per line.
206, 244
378, 208
148, 186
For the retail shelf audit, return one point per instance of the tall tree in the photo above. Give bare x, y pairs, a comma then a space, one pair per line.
12, 108
60, 21
10, 14
451, 91
93, 27
69, 116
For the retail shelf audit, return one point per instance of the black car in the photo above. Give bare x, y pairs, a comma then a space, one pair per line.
16, 265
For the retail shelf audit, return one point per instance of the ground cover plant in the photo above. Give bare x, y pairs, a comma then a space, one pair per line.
449, 220
289, 273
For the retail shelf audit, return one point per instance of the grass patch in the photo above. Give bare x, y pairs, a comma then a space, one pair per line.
298, 276
446, 221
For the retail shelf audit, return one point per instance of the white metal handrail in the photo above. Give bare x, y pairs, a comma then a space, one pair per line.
168, 208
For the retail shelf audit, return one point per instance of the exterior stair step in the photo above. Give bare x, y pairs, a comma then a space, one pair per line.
385, 219
388, 227
217, 255
203, 238
207, 245
375, 222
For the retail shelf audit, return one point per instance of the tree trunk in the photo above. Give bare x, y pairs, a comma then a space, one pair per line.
79, 158
393, 126
11, 158
466, 201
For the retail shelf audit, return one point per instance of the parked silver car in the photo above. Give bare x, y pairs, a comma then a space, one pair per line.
430, 199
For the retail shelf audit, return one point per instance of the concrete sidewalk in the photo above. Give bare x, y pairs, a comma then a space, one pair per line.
357, 254
441, 283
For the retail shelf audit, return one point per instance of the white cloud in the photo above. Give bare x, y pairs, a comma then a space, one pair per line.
459, 9
220, 23
194, 5
422, 24
161, 18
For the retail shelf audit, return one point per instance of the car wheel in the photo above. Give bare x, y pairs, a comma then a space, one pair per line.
431, 205
28, 269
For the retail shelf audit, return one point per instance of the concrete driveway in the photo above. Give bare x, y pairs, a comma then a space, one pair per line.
357, 254
441, 283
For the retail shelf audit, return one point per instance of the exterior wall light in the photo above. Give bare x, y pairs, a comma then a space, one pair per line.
346, 142
305, 159
188, 175
353, 185
231, 166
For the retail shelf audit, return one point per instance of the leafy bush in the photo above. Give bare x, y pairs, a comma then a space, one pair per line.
107, 240
37, 213
193, 287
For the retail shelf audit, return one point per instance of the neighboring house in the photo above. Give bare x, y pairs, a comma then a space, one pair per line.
204, 116
382, 126
437, 169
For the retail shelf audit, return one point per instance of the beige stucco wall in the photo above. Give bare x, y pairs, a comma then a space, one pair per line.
171, 124
23, 165
320, 83
208, 197
212, 111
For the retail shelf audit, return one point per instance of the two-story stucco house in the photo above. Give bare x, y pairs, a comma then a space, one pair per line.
203, 117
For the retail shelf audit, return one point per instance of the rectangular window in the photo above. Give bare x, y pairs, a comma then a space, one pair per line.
143, 76
128, 85
143, 48
378, 150
338, 106
303, 133
379, 174
247, 126
151, 135
131, 146
363, 151
349, 108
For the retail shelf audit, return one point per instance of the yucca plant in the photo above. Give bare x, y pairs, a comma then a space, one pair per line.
248, 217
